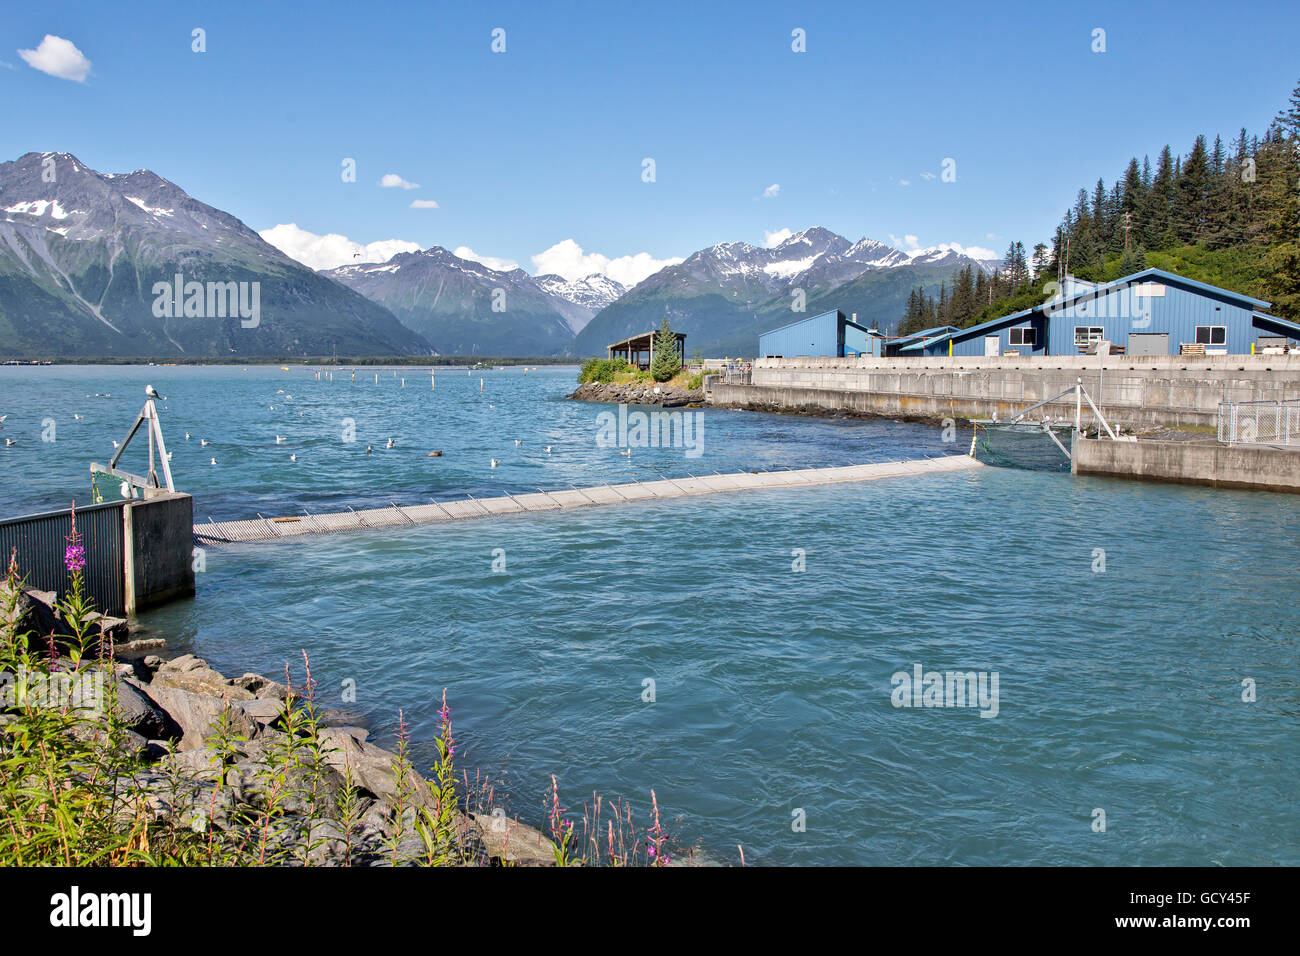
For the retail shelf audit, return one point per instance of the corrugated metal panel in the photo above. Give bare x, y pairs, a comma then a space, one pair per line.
818, 335
41, 540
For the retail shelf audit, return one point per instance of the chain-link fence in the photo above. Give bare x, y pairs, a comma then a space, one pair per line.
1260, 423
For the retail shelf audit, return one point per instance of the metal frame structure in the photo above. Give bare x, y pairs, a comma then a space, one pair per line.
148, 417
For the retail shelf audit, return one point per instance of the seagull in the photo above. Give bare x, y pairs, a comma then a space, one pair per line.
279, 440
114, 442
494, 462
187, 436
203, 443
390, 444
169, 456
293, 457
518, 442
152, 392
10, 441
2, 419
626, 454
212, 461
548, 449
367, 449
74, 415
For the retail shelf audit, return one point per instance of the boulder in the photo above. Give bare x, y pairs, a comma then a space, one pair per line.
510, 840
373, 768
197, 714
193, 674
143, 715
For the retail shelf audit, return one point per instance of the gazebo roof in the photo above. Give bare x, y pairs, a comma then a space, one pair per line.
642, 340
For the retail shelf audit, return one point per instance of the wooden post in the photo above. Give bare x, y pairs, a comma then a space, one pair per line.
128, 560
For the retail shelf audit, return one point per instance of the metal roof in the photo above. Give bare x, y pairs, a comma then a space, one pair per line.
1065, 302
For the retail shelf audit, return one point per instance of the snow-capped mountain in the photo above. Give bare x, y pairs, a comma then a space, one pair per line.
464, 307
593, 292
81, 252
723, 296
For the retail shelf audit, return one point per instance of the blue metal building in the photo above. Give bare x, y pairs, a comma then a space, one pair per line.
828, 335
1152, 312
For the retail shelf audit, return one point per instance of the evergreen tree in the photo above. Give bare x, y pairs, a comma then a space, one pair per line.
1289, 117
666, 362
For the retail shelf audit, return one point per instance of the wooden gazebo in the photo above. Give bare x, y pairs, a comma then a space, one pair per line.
633, 348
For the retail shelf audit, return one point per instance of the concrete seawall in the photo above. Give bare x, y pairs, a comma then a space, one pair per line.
1170, 391
1195, 463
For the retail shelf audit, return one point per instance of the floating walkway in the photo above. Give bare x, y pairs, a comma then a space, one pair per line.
394, 516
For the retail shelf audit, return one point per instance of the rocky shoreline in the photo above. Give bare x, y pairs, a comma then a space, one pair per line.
172, 710
639, 393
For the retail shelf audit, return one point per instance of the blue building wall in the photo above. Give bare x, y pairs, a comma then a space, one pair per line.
975, 344
828, 335
1151, 306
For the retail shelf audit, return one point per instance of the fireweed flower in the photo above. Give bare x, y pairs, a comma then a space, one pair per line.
74, 556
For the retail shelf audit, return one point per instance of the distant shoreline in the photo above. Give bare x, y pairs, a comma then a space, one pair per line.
405, 361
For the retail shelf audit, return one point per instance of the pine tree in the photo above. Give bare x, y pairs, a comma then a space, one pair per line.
1191, 198
1289, 118
667, 362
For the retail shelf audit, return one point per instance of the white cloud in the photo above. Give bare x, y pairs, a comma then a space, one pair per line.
424, 204
568, 260
927, 176
773, 238
909, 241
500, 265
394, 181
7, 65
772, 191
331, 250
58, 57
904, 182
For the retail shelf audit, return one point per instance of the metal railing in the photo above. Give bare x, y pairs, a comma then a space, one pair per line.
736, 374
40, 541
1260, 423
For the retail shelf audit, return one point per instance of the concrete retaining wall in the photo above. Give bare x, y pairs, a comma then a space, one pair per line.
1197, 463
158, 553
1133, 395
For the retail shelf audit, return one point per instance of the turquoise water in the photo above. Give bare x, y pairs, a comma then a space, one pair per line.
1119, 690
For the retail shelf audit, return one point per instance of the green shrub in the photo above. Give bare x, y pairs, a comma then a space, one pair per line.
601, 370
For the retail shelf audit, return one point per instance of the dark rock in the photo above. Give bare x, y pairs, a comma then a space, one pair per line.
197, 713
143, 715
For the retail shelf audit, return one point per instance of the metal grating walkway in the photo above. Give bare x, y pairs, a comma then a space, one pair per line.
270, 529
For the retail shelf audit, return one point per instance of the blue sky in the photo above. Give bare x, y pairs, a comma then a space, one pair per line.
544, 143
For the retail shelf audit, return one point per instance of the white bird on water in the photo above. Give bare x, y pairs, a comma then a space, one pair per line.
114, 442
169, 456
203, 443
212, 461
548, 449
74, 415
518, 442
390, 444
10, 441
187, 436
627, 453
494, 462
279, 439
2, 418
293, 457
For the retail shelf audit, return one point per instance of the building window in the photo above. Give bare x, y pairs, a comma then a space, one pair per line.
1211, 335
1086, 335
1022, 335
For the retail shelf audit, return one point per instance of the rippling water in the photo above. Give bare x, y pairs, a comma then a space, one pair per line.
1119, 690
